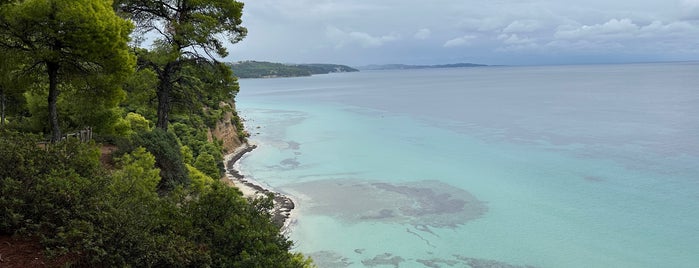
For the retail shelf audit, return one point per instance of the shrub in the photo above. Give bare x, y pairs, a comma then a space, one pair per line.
138, 123
163, 145
200, 181
206, 164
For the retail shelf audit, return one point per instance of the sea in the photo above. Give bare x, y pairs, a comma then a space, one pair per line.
524, 166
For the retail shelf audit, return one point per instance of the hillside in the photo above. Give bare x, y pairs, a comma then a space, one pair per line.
262, 69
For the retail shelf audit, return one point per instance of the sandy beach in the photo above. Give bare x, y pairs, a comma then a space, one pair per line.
283, 205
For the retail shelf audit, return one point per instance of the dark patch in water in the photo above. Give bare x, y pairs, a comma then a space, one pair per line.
428, 202
383, 214
485, 263
359, 251
425, 228
422, 204
419, 236
294, 145
290, 163
384, 259
329, 259
435, 263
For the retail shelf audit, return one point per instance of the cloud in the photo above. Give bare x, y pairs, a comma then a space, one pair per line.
423, 34
690, 9
625, 29
515, 39
483, 24
365, 40
522, 26
459, 41
583, 46
613, 28
497, 32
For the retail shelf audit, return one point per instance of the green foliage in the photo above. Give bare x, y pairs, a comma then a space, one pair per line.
238, 123
132, 232
190, 136
185, 27
42, 189
137, 173
138, 123
200, 181
164, 146
118, 219
161, 204
213, 149
187, 155
203, 87
38, 108
82, 107
261, 69
207, 164
140, 89
12, 86
189, 23
224, 217
80, 44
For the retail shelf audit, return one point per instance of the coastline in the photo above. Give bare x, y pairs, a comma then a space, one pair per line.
283, 205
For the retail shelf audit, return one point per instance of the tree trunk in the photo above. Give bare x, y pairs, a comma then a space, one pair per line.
163, 93
2, 108
52, 69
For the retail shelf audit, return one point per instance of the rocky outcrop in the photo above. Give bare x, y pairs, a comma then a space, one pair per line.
225, 131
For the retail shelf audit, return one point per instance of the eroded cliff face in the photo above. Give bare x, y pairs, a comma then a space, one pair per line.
226, 131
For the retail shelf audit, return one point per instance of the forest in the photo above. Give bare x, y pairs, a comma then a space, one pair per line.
142, 188
263, 69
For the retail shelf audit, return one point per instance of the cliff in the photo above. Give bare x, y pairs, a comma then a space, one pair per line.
226, 130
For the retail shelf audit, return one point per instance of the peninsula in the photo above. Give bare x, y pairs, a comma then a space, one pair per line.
263, 69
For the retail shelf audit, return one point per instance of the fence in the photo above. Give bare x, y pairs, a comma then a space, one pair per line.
84, 135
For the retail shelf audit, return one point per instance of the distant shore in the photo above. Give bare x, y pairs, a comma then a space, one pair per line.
283, 205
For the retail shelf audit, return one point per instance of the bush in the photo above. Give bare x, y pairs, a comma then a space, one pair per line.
206, 164
138, 123
62, 195
163, 145
200, 181
241, 233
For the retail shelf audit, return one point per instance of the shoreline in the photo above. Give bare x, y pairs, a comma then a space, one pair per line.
283, 205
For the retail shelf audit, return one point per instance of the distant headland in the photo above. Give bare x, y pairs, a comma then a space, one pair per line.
263, 69
407, 67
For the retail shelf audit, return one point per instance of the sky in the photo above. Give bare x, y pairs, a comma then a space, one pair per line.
498, 32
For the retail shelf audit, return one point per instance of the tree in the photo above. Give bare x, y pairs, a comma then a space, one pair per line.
12, 84
189, 30
67, 40
207, 164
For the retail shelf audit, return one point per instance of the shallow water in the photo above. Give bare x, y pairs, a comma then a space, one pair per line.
565, 166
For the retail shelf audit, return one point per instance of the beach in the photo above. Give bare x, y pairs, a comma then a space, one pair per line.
283, 205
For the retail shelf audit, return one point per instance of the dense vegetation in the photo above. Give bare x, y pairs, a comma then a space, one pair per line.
261, 69
157, 200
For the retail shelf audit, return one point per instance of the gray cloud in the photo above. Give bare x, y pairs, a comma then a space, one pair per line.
422, 34
460, 41
343, 38
360, 32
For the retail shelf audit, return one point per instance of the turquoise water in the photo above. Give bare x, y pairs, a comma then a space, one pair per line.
565, 166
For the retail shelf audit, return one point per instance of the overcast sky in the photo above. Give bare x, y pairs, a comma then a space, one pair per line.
512, 32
